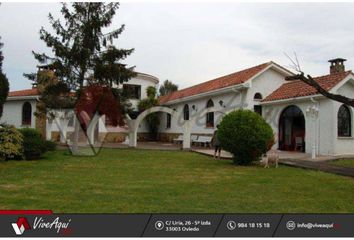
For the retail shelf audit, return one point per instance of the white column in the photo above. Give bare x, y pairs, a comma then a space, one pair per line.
186, 135
133, 132
48, 133
312, 113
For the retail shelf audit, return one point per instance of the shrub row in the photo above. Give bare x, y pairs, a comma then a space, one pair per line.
25, 143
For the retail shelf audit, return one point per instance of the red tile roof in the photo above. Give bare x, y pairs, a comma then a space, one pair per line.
24, 93
298, 88
218, 83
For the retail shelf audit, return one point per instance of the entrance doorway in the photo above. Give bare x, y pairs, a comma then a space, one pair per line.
292, 129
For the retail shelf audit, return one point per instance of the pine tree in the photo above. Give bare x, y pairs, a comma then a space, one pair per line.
83, 53
4, 83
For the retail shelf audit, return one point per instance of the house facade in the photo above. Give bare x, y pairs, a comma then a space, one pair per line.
302, 119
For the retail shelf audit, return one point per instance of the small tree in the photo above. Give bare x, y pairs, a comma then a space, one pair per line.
246, 135
152, 119
167, 87
4, 83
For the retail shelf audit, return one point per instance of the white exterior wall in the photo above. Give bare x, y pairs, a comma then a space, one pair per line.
343, 145
144, 81
232, 100
12, 113
265, 84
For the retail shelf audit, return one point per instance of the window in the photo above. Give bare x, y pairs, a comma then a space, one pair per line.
132, 91
186, 112
258, 109
257, 97
168, 121
344, 122
26, 114
210, 115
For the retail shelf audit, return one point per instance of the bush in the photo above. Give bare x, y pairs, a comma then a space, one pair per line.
246, 135
49, 146
10, 142
33, 144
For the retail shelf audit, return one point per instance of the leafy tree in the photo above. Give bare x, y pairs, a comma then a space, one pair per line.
167, 87
4, 83
152, 119
246, 135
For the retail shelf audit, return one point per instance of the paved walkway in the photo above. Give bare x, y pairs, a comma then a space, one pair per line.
324, 166
301, 160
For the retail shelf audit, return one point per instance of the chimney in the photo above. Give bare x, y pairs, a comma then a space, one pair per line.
337, 65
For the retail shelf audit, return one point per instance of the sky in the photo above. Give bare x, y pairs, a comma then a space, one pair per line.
189, 43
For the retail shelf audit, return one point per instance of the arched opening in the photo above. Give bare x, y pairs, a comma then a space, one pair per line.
186, 112
292, 129
135, 123
210, 115
344, 120
26, 114
258, 96
257, 108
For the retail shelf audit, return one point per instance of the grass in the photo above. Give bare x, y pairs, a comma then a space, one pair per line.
144, 181
343, 163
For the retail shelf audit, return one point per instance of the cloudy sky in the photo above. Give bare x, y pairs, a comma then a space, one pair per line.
189, 43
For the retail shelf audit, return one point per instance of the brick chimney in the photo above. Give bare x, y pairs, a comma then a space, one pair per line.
337, 65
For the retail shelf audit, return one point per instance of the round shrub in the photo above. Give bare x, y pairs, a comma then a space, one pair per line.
33, 144
10, 142
246, 135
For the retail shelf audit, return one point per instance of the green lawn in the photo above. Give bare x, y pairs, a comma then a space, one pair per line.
344, 163
142, 181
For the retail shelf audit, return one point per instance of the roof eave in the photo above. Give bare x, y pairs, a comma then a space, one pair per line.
16, 98
291, 99
238, 87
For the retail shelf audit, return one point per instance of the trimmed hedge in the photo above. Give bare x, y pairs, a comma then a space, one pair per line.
33, 144
246, 135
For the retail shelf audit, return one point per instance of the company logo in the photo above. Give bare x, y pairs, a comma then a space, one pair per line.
21, 225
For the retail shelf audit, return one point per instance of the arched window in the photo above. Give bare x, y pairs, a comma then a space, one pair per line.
344, 122
168, 121
186, 112
210, 115
26, 114
257, 96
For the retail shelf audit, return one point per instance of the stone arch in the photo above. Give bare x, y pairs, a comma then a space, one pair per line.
134, 123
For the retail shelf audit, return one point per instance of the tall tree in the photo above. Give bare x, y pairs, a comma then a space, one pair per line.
4, 83
167, 87
83, 53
